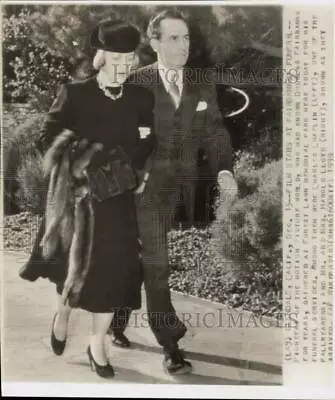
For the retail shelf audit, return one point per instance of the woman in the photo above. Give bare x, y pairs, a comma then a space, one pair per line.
114, 120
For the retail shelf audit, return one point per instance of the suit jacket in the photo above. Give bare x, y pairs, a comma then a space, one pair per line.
181, 132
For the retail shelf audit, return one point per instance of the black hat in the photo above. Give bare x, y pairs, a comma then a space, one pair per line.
115, 35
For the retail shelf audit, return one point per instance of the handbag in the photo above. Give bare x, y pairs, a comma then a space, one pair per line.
113, 177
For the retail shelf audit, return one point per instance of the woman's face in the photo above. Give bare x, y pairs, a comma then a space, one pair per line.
118, 66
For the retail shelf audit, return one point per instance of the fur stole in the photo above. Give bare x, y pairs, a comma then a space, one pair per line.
69, 217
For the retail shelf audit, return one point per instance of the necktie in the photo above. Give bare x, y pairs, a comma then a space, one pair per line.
174, 89
114, 90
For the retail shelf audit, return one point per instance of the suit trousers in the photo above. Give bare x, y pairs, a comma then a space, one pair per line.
155, 219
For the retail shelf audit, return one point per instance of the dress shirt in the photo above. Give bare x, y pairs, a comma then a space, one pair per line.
166, 76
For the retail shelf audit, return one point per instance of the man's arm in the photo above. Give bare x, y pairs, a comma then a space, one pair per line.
217, 142
147, 140
216, 138
142, 159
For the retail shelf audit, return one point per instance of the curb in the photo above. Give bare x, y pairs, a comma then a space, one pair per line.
271, 320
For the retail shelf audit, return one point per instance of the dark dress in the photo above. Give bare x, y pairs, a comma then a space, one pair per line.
115, 276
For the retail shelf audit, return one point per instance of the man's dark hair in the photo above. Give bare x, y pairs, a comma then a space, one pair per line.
154, 31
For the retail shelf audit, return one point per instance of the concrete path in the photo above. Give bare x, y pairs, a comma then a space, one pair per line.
224, 347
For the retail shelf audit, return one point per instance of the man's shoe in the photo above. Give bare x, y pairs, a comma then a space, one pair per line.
121, 340
175, 364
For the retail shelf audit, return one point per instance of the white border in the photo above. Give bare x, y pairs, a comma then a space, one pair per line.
237, 3
111, 390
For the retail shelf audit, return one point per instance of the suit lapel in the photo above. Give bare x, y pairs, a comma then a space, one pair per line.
164, 107
164, 98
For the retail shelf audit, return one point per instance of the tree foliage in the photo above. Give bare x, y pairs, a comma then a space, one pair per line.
45, 44
30, 70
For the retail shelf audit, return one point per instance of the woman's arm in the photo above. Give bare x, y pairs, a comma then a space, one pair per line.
58, 118
147, 141
142, 156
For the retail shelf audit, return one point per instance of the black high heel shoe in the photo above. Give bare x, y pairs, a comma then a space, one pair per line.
57, 346
104, 371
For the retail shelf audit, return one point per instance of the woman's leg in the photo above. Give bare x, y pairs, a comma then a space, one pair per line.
62, 319
100, 325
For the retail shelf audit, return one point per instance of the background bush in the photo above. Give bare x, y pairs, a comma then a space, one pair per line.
23, 182
252, 224
32, 190
31, 71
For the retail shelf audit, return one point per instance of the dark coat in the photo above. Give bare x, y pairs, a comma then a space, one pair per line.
115, 278
84, 109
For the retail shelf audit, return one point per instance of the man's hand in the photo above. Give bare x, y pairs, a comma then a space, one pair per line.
227, 185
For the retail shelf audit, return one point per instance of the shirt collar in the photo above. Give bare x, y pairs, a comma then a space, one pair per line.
103, 82
165, 74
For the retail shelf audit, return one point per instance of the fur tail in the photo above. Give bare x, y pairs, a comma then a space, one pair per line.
80, 251
57, 165
55, 153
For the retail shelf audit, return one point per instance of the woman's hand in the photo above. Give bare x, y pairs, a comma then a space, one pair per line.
141, 187
84, 157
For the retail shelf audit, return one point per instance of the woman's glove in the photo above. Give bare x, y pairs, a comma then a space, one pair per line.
143, 183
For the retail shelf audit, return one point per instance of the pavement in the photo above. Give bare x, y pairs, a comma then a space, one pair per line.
226, 347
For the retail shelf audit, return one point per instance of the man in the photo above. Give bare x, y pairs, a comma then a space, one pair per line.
186, 118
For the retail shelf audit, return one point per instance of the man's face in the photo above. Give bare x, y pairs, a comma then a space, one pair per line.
118, 66
173, 46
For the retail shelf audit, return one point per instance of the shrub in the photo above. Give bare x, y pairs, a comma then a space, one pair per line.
248, 231
31, 71
260, 150
268, 146
22, 167
32, 187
